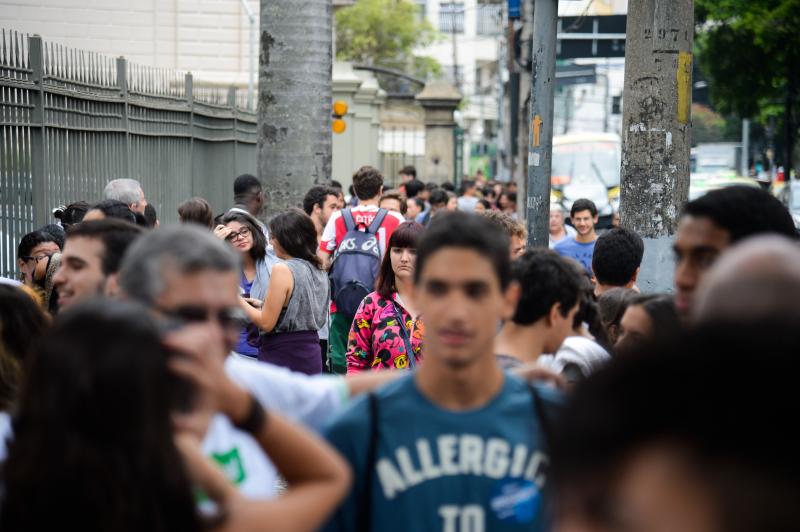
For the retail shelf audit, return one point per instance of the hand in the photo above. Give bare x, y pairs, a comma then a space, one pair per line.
222, 231
200, 357
253, 302
534, 372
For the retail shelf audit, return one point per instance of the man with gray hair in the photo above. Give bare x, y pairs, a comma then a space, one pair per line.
559, 231
190, 279
128, 191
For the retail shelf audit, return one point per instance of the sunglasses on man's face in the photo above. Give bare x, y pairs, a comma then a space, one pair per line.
228, 318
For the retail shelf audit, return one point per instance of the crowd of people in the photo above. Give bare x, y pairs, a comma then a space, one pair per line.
398, 360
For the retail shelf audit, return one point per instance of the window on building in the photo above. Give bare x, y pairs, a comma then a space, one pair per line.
422, 9
489, 19
451, 17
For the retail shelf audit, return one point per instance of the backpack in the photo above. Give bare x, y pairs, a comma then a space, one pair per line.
356, 263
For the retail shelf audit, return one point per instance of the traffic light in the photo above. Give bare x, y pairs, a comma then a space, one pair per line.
339, 111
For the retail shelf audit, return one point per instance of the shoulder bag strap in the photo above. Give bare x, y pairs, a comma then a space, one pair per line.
404, 332
349, 221
377, 221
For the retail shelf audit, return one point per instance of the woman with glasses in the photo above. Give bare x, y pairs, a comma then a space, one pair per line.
296, 304
387, 332
242, 232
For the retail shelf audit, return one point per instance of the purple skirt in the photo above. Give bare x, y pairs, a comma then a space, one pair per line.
298, 351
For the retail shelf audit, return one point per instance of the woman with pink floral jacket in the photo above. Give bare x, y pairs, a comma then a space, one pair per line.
387, 331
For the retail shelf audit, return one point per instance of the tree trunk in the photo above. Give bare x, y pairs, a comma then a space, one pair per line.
294, 99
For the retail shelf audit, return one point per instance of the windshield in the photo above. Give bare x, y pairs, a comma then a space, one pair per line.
585, 163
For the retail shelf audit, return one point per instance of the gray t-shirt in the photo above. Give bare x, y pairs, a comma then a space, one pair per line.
308, 304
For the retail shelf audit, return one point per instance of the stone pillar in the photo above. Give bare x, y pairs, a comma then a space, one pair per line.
439, 99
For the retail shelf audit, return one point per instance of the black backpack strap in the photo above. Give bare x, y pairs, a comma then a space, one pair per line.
364, 518
545, 422
349, 221
376, 223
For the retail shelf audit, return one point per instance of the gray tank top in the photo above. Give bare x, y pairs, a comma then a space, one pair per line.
308, 304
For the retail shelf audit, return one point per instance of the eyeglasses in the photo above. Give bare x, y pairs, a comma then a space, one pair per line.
243, 232
232, 317
37, 258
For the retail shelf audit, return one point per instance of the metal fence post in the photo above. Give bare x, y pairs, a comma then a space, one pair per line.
232, 104
122, 83
38, 124
190, 102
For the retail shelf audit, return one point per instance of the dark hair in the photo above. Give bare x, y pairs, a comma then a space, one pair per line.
246, 184
588, 312
295, 232
448, 186
367, 182
409, 170
317, 195
486, 204
743, 212
512, 197
545, 279
414, 187
661, 309
467, 231
612, 304
396, 196
617, 254
196, 210
150, 215
419, 201
57, 232
93, 439
666, 325
439, 197
466, 185
337, 185
405, 236
583, 204
72, 213
22, 321
689, 395
115, 209
115, 235
259, 249
31, 240
431, 186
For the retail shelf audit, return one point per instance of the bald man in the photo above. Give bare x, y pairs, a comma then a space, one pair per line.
759, 278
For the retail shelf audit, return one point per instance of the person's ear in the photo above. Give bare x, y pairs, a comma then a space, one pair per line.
636, 275
111, 288
554, 314
511, 300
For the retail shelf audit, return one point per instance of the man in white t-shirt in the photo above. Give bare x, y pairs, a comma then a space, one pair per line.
190, 279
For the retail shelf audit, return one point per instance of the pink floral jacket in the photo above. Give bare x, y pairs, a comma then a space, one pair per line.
375, 340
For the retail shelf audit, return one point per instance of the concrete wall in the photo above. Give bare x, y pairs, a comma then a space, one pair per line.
358, 145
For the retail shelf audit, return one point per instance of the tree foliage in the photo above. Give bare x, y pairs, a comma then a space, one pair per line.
750, 50
385, 33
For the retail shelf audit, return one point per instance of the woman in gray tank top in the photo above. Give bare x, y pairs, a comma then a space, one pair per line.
297, 299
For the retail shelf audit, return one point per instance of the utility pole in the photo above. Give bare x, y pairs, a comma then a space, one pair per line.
657, 129
540, 144
294, 99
